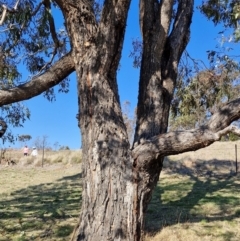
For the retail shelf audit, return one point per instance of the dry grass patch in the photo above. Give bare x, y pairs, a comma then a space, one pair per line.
50, 157
196, 199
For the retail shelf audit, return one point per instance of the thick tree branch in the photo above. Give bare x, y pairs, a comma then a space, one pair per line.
225, 116
155, 19
153, 99
190, 140
179, 36
166, 15
54, 75
147, 15
111, 34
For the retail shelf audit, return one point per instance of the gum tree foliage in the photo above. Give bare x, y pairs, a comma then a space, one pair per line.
200, 95
226, 12
24, 138
117, 178
202, 90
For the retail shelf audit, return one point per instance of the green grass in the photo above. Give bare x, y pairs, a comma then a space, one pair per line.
47, 211
43, 203
197, 207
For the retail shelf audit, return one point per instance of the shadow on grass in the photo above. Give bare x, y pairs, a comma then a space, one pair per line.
193, 194
41, 212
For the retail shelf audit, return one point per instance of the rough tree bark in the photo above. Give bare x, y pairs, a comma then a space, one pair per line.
118, 180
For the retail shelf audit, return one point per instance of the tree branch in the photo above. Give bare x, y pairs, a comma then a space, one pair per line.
51, 23
173, 143
166, 9
180, 34
4, 14
6, 9
147, 15
54, 75
3, 125
111, 34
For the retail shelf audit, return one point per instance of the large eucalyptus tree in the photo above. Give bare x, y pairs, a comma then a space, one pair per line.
117, 179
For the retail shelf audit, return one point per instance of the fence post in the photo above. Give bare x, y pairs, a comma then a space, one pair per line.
236, 158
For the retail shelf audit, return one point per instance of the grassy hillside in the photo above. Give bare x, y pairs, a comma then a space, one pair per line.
49, 157
197, 197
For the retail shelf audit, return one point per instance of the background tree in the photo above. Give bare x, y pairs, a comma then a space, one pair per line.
198, 98
201, 91
226, 12
24, 138
118, 179
64, 148
56, 145
41, 143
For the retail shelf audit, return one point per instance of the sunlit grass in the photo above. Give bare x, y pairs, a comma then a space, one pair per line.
195, 200
48, 210
191, 207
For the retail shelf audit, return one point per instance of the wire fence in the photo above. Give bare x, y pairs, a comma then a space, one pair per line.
218, 158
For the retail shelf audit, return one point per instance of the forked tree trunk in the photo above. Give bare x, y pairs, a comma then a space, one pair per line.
118, 180
116, 188
117, 183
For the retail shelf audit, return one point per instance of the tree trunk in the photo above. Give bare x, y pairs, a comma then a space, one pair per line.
116, 187
108, 189
118, 180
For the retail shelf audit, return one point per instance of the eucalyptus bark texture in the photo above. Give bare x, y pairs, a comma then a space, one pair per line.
107, 196
116, 187
118, 180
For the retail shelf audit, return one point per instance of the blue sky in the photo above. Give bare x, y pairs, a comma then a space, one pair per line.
57, 120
